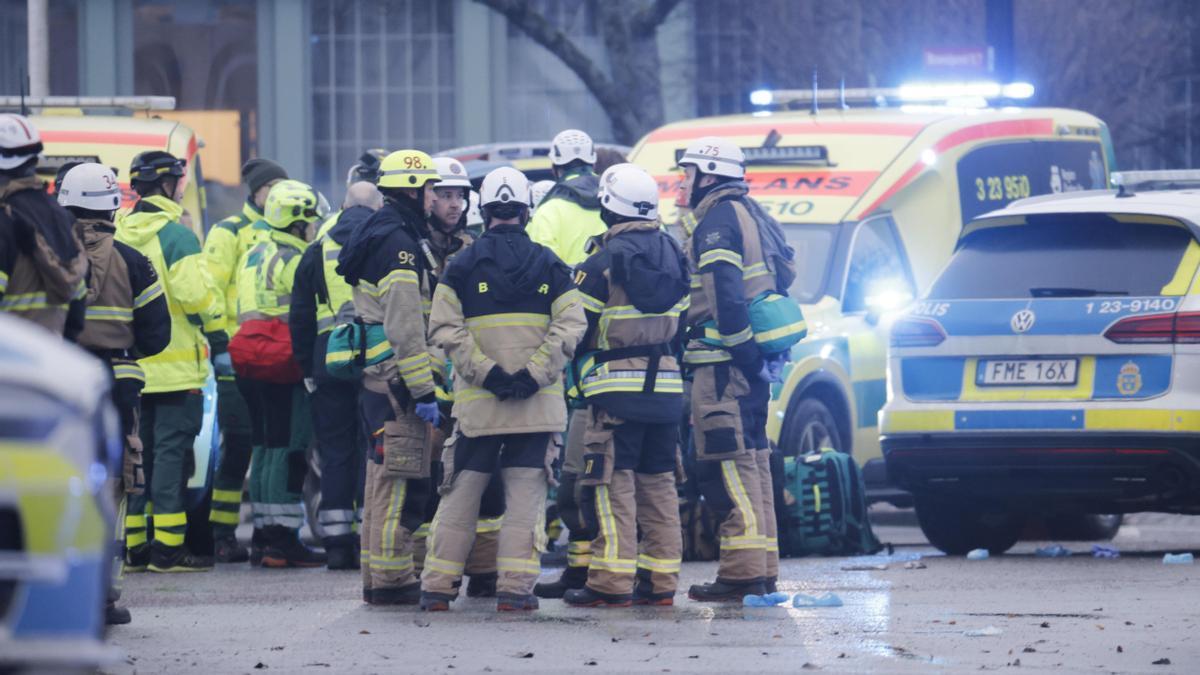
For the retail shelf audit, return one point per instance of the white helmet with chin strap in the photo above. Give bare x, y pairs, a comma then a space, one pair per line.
505, 185
715, 155
19, 141
570, 145
90, 186
453, 173
627, 190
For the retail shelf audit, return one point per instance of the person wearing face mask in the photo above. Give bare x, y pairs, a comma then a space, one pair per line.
172, 403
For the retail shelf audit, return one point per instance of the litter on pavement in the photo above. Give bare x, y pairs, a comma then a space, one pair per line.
1178, 559
1055, 551
1099, 551
978, 554
827, 600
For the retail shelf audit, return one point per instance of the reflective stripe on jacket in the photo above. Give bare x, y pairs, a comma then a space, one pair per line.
225, 249
195, 306
265, 280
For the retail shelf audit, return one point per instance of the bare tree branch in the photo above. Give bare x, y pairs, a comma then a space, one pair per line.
524, 16
651, 17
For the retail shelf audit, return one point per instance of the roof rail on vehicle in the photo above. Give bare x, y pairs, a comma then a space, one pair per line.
126, 102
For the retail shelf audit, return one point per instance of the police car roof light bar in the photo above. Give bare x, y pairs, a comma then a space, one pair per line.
916, 92
1130, 182
126, 102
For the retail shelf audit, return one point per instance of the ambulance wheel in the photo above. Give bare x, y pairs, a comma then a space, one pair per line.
808, 427
1084, 526
956, 527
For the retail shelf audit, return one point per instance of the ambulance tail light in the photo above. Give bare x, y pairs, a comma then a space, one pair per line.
1182, 328
914, 332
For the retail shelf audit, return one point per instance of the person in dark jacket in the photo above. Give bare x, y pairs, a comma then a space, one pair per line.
322, 299
126, 319
634, 288
42, 264
509, 317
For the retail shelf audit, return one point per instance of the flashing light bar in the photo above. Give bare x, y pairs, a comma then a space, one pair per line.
127, 102
1133, 178
913, 92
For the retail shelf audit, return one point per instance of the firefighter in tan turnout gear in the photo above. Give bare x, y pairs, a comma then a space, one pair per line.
509, 317
387, 267
633, 289
126, 319
731, 379
448, 237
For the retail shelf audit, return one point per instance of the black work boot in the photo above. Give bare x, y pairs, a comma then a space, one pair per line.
228, 550
572, 577
726, 591
482, 585
586, 597
342, 557
284, 549
771, 584
436, 602
257, 543
116, 616
399, 595
174, 559
643, 593
137, 559
512, 602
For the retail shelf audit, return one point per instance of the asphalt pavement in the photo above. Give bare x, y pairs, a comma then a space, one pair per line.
1017, 611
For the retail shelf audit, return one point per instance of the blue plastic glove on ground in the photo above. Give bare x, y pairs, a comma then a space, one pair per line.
827, 600
429, 412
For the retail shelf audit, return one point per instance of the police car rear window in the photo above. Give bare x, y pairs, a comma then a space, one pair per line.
1067, 255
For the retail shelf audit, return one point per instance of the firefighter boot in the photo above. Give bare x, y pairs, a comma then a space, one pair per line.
482, 585
343, 557
172, 559
571, 578
228, 550
586, 597
409, 594
726, 591
284, 549
515, 602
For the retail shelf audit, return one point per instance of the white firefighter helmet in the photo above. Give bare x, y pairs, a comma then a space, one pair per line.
539, 191
715, 155
90, 186
570, 145
627, 190
453, 173
19, 140
474, 217
505, 185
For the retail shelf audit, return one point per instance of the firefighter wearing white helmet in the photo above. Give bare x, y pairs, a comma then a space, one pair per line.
47, 290
448, 236
569, 214
386, 263
525, 320
538, 191
726, 250
630, 380
127, 318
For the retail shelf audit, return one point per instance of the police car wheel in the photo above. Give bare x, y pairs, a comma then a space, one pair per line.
957, 527
1084, 526
808, 427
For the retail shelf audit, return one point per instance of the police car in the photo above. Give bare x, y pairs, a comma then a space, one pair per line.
1053, 367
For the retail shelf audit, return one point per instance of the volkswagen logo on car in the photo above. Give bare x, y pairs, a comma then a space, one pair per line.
1022, 321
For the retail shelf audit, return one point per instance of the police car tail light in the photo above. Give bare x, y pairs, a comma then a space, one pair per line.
917, 333
1156, 329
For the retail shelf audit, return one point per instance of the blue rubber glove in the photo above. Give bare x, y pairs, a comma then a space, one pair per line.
223, 365
429, 412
